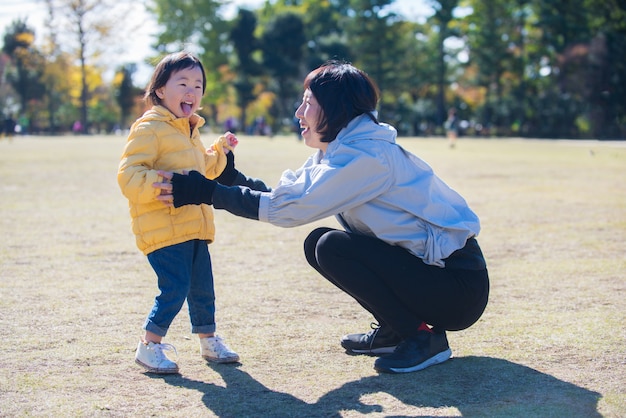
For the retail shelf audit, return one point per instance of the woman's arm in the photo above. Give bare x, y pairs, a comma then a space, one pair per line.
249, 182
195, 189
326, 188
238, 200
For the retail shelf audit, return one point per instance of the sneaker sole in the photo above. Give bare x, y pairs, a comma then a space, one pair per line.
222, 360
436, 359
374, 351
156, 369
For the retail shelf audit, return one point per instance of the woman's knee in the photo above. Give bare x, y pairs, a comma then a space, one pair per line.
310, 244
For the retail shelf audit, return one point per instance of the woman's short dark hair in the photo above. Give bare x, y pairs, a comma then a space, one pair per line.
343, 92
165, 68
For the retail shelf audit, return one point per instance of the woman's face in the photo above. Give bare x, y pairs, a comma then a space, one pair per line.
183, 92
310, 113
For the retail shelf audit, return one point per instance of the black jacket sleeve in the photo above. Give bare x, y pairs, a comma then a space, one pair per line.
232, 177
254, 184
193, 189
227, 178
238, 200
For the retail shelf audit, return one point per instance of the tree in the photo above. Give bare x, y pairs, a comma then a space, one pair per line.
442, 18
79, 13
324, 29
374, 41
126, 93
491, 42
416, 79
564, 33
607, 68
247, 68
283, 44
27, 64
86, 29
60, 109
55, 78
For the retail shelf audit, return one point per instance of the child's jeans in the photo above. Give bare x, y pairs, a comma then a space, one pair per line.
184, 272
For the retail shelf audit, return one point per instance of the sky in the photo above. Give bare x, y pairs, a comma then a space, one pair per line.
34, 11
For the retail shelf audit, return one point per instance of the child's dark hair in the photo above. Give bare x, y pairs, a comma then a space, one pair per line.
164, 70
343, 92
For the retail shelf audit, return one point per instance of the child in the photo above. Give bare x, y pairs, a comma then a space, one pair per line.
167, 137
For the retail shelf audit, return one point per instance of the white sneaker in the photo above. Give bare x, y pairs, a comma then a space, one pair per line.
215, 349
151, 356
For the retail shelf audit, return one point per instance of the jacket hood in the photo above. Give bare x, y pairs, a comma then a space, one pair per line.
363, 127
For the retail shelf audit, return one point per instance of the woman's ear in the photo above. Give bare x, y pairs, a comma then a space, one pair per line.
159, 93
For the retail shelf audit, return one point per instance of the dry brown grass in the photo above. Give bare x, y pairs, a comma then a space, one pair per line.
75, 292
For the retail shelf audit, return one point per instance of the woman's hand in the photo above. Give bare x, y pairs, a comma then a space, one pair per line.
229, 174
185, 189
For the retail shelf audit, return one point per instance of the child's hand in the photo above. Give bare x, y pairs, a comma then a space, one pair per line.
232, 141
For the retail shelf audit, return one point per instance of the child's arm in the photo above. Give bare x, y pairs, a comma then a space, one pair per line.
229, 174
136, 170
218, 155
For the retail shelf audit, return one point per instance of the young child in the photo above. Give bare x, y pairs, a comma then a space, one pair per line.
167, 137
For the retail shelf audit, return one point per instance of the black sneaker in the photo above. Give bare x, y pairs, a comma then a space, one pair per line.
377, 341
417, 353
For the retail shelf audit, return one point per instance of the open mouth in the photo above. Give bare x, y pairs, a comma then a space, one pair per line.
186, 107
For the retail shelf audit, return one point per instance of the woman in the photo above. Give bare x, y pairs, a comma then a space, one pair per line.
408, 252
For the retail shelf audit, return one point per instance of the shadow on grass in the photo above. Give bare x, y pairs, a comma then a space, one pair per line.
476, 386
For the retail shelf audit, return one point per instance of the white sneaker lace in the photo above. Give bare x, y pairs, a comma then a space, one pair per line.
160, 348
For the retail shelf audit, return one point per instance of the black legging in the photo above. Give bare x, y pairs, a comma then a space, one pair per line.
396, 287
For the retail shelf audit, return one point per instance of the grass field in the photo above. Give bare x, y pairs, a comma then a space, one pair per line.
74, 292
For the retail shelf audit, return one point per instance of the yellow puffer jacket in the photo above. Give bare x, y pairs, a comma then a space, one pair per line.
160, 141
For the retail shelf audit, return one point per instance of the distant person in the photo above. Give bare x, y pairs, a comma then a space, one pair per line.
231, 125
407, 253
167, 137
261, 127
9, 126
77, 127
452, 127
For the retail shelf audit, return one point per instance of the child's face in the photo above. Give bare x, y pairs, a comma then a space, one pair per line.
182, 93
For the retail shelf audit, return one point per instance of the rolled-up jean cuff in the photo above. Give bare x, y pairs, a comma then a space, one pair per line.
203, 329
155, 329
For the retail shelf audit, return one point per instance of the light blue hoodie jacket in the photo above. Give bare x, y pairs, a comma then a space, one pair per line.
374, 187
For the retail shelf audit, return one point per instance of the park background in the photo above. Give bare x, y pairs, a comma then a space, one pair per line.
74, 290
529, 68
